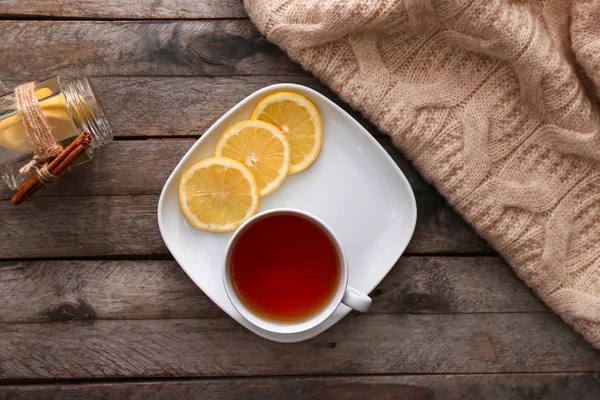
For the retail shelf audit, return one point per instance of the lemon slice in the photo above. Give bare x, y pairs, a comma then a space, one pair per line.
300, 122
12, 134
262, 148
218, 194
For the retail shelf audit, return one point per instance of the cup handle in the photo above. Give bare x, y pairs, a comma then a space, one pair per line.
356, 300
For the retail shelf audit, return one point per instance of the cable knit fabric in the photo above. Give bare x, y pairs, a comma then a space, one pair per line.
495, 102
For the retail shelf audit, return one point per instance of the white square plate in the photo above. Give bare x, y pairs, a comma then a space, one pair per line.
354, 186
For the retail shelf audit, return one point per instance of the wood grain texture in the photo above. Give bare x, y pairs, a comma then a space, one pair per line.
127, 225
140, 107
36, 49
139, 9
135, 167
38, 291
81, 226
453, 285
551, 386
187, 106
364, 344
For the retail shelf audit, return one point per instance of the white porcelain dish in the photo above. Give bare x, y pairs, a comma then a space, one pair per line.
354, 187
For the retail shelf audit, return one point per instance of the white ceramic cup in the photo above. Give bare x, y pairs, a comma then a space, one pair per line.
343, 294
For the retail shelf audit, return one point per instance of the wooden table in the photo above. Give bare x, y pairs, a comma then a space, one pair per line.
92, 304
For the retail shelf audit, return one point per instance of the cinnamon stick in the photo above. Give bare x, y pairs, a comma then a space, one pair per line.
56, 167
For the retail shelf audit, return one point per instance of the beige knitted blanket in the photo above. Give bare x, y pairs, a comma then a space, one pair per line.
495, 102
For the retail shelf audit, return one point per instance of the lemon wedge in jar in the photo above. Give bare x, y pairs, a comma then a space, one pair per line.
12, 134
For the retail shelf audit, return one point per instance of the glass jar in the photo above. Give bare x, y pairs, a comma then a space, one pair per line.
70, 107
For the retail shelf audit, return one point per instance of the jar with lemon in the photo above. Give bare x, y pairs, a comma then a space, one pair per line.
69, 106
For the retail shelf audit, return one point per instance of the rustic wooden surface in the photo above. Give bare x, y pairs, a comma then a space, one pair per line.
99, 309
559, 386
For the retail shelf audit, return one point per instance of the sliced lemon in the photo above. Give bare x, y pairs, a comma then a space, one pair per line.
262, 148
12, 134
300, 122
218, 194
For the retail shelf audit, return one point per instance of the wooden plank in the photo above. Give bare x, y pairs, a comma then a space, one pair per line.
138, 106
133, 167
142, 167
453, 285
365, 344
80, 226
35, 49
187, 106
552, 386
127, 225
117, 9
38, 291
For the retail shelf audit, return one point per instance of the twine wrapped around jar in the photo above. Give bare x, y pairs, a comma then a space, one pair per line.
49, 159
47, 127
37, 132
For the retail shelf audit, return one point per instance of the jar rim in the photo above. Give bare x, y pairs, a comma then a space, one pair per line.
85, 107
